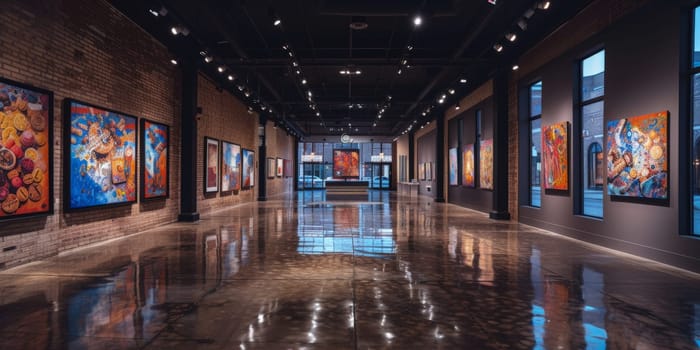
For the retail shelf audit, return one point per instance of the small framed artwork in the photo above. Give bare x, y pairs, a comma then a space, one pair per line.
230, 167
468, 165
154, 160
454, 180
271, 168
211, 166
429, 171
26, 150
486, 164
100, 158
421, 172
248, 175
288, 169
280, 167
555, 156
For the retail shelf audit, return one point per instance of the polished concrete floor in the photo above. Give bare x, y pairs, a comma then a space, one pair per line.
306, 273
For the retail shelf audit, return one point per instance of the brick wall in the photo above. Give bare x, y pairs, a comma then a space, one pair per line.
279, 144
86, 50
224, 118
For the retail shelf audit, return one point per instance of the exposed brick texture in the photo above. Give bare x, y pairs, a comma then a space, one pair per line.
279, 144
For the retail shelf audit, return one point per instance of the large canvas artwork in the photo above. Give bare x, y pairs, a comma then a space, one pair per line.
468, 165
486, 164
637, 156
248, 168
211, 167
26, 150
154, 160
346, 163
230, 167
555, 156
452, 153
100, 161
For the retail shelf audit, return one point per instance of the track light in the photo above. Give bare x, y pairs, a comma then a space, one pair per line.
208, 59
544, 5
451, 91
522, 24
457, 107
303, 81
175, 30
409, 47
276, 20
498, 47
399, 71
318, 114
516, 67
161, 12
173, 61
231, 77
463, 81
295, 63
511, 37
221, 69
250, 110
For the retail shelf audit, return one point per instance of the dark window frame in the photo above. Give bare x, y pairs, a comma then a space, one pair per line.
530, 119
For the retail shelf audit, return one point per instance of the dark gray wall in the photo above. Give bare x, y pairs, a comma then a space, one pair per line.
642, 76
474, 198
426, 152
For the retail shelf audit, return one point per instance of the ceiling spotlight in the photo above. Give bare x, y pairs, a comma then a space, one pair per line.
441, 101
250, 110
409, 47
417, 21
379, 116
343, 72
173, 61
463, 80
318, 114
175, 30
358, 72
231, 77
246, 93
457, 107
295, 63
356, 129
208, 59
516, 67
375, 124
511, 37
389, 97
424, 114
285, 47
303, 81
263, 107
492, 2
399, 71
240, 87
162, 11
290, 53
451, 91
350, 124
276, 22
309, 93
522, 24
404, 61
544, 5
221, 69
498, 47
443, 97
298, 72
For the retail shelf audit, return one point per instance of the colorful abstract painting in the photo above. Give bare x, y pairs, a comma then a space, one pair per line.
346, 163
468, 165
486, 164
230, 167
453, 166
637, 150
26, 150
280, 167
555, 156
101, 151
248, 176
211, 157
154, 160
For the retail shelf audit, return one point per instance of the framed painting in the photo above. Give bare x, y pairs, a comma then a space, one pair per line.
230, 167
26, 150
271, 168
453, 181
248, 175
637, 153
280, 167
155, 140
555, 156
346, 163
429, 171
211, 167
421, 171
468, 165
100, 158
288, 168
486, 164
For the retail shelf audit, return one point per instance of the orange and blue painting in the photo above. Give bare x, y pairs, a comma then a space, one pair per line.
102, 156
155, 159
555, 156
468, 165
486, 164
346, 163
248, 175
637, 156
230, 167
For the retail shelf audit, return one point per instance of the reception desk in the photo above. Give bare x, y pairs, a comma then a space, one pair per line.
346, 190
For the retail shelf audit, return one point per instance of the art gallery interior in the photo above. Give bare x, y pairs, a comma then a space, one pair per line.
407, 174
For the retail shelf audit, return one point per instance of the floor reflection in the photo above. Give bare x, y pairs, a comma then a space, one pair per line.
386, 273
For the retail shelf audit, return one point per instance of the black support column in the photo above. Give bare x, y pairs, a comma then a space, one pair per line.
411, 155
440, 156
500, 145
188, 146
262, 160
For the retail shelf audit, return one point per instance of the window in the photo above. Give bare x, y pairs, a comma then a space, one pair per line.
695, 108
535, 122
592, 93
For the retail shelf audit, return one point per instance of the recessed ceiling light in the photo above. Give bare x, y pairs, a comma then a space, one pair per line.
303, 81
221, 69
498, 47
463, 81
451, 91
230, 77
417, 21
173, 61
441, 101
511, 37
516, 67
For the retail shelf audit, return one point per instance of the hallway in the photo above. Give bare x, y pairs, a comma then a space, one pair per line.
389, 273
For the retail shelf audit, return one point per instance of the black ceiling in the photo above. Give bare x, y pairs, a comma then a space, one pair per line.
455, 41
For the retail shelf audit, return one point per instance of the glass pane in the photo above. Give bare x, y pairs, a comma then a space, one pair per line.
535, 156
591, 134
696, 153
536, 99
696, 38
593, 77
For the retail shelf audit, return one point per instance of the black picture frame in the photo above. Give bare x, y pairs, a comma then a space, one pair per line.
97, 145
160, 147
45, 116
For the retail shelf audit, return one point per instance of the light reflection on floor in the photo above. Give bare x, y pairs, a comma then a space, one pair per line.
386, 273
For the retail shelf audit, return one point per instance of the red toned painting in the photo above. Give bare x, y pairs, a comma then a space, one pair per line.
555, 156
